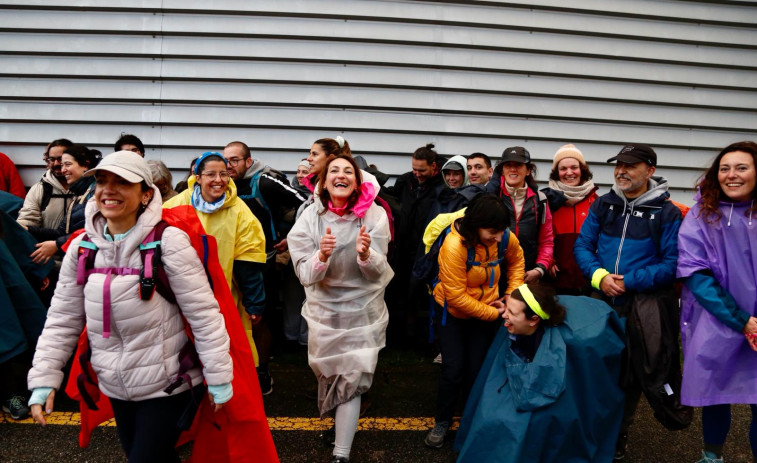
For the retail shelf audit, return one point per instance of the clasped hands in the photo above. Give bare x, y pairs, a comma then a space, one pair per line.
328, 244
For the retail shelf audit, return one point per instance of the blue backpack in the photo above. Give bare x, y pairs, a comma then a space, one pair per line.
426, 269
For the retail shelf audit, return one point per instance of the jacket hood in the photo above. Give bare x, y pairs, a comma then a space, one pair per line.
462, 162
656, 187
231, 190
256, 166
48, 177
369, 191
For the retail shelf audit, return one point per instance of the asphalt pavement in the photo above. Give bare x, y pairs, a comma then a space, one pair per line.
393, 427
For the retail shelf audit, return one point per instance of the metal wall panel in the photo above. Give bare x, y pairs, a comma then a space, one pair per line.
190, 75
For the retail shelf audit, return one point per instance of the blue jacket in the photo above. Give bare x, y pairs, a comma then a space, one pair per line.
564, 406
22, 314
637, 239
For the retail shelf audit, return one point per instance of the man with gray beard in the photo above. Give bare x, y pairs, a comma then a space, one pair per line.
628, 249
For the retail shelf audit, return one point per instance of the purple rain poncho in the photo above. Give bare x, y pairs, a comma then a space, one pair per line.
719, 367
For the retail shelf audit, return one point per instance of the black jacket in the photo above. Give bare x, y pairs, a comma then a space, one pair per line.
415, 201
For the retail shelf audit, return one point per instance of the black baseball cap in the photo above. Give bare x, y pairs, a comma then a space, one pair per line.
632, 154
516, 154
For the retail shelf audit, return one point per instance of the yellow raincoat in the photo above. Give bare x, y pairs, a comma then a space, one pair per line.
239, 236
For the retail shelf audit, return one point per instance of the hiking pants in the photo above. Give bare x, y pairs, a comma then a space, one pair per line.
149, 429
463, 343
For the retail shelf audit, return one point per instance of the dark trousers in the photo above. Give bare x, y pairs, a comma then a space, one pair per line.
463, 343
716, 423
149, 429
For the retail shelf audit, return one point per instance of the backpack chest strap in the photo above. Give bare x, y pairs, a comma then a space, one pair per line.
109, 272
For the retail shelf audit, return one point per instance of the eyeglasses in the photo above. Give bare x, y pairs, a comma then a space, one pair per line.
213, 175
53, 160
234, 161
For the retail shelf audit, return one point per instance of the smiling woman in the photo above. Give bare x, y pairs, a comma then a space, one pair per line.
240, 238
514, 181
134, 358
571, 193
338, 249
716, 243
548, 391
75, 161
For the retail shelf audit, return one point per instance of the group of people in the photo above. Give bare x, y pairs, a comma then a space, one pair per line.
537, 298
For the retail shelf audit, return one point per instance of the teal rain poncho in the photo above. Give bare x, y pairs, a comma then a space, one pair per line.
564, 406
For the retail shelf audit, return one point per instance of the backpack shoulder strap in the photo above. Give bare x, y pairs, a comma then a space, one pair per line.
47, 193
86, 259
153, 276
258, 196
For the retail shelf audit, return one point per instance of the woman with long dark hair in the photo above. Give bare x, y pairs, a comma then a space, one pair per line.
531, 220
75, 161
717, 260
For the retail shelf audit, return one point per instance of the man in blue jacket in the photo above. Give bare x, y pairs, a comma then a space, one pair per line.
629, 245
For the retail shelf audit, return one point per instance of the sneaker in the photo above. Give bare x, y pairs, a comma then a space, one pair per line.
16, 407
329, 436
438, 359
435, 437
708, 457
266, 382
620, 447
339, 459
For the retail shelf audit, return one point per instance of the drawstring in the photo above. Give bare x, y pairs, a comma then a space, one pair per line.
729, 215
751, 208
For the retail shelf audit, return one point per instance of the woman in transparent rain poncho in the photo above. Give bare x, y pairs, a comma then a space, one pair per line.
339, 247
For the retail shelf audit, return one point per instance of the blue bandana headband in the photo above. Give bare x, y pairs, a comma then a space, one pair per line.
206, 155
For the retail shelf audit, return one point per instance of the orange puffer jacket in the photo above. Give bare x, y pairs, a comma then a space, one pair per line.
467, 292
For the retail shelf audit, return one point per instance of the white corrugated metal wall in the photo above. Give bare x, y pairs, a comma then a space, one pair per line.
390, 76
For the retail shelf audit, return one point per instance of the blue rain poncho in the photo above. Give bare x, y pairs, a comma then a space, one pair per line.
564, 406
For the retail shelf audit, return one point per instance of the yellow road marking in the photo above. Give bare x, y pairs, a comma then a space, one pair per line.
280, 423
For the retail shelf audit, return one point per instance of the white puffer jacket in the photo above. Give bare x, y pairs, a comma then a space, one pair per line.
140, 358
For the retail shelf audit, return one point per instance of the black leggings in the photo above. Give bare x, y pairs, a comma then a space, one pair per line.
149, 429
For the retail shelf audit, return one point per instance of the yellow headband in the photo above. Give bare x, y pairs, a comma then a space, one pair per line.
531, 302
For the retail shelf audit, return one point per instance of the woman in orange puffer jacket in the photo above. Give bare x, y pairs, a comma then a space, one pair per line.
469, 290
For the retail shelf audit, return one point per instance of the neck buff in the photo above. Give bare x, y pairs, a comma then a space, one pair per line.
574, 194
309, 182
203, 206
